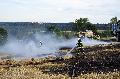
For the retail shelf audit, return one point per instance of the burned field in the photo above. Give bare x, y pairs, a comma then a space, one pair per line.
99, 58
97, 62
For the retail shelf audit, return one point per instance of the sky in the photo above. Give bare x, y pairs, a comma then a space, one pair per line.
98, 11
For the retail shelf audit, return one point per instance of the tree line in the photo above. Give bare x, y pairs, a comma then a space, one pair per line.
81, 24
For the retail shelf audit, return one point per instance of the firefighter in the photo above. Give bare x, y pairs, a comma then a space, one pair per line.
80, 48
79, 44
40, 43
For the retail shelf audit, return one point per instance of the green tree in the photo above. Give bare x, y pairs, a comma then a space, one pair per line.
83, 24
92, 27
3, 36
59, 33
53, 29
50, 28
80, 24
114, 20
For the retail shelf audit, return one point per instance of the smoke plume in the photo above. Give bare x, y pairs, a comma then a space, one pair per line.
32, 47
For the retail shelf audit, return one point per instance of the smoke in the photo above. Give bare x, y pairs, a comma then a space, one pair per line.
31, 46
91, 42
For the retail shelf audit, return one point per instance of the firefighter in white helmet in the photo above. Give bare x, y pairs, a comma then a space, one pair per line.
40, 43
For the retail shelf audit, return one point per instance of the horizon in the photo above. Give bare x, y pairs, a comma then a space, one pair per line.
44, 22
54, 11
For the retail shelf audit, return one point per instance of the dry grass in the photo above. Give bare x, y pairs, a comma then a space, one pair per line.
28, 72
99, 62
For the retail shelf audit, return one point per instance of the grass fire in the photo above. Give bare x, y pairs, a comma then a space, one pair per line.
83, 52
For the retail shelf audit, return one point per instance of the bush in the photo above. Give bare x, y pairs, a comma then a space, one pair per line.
105, 34
3, 36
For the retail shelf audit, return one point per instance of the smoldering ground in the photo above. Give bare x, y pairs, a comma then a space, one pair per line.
31, 46
40, 45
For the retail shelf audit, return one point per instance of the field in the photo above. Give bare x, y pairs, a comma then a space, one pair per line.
98, 62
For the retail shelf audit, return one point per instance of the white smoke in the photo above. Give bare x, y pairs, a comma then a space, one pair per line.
91, 42
31, 47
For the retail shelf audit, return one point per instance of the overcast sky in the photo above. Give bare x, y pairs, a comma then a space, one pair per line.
98, 11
